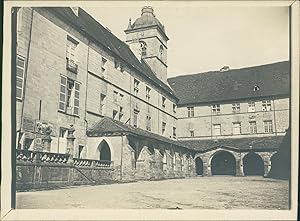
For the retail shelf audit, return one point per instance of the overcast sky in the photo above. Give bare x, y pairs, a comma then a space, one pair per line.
208, 38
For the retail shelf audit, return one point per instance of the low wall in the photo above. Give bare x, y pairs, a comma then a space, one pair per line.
36, 170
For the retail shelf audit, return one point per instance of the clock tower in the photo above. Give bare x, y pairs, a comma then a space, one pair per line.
147, 39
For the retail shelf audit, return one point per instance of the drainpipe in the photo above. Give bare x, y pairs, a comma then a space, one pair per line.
26, 69
121, 167
275, 127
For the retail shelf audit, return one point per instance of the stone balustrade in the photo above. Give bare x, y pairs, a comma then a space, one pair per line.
38, 156
92, 163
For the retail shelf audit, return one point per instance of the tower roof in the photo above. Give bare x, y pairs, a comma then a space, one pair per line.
146, 20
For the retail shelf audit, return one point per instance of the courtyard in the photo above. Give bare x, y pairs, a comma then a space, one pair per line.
217, 192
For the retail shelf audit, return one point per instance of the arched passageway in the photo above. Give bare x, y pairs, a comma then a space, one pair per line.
104, 150
253, 165
199, 166
223, 163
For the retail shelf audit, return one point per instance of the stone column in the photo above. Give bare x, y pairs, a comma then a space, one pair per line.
239, 167
267, 166
70, 143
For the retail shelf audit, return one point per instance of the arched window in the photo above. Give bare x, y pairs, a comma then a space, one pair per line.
104, 151
143, 48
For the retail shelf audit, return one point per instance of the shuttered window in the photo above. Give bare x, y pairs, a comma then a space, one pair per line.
76, 99
20, 77
69, 96
62, 94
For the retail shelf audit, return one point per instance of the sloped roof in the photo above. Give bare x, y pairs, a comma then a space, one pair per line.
108, 126
240, 144
90, 27
214, 86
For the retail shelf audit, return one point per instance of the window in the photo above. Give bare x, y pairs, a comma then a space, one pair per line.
163, 101
119, 65
121, 113
121, 96
148, 89
215, 108
135, 118
163, 127
71, 54
192, 133
268, 126
148, 123
251, 106
62, 132
236, 108
190, 111
161, 50
136, 87
80, 148
102, 103
266, 105
255, 88
103, 64
115, 112
252, 127
217, 129
115, 96
237, 128
174, 108
143, 48
174, 132
69, 96
20, 76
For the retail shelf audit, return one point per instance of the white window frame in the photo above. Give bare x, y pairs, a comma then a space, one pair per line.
215, 128
102, 103
236, 107
148, 91
191, 111
268, 126
266, 105
252, 127
251, 106
236, 128
216, 108
136, 84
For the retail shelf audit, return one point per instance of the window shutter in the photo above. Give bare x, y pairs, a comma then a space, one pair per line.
76, 98
20, 77
62, 93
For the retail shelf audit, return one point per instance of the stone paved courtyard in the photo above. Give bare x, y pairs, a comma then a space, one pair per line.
218, 192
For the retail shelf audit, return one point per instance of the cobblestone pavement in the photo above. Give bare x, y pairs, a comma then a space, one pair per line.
218, 192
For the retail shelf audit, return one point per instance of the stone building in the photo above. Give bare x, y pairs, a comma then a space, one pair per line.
73, 71
244, 112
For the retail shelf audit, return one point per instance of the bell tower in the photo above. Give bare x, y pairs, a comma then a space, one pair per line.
147, 39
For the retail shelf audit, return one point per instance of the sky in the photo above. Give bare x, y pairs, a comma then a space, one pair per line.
208, 38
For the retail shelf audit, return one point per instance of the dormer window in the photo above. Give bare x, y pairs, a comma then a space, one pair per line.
143, 48
75, 10
255, 88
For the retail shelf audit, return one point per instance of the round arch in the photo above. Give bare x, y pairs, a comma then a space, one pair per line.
223, 163
253, 165
104, 151
199, 166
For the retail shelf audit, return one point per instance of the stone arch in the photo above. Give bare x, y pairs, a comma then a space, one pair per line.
104, 151
199, 166
253, 164
223, 163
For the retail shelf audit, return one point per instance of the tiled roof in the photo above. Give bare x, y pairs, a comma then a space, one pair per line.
108, 126
90, 27
240, 144
272, 80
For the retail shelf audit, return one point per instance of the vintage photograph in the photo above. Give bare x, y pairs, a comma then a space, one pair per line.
152, 107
